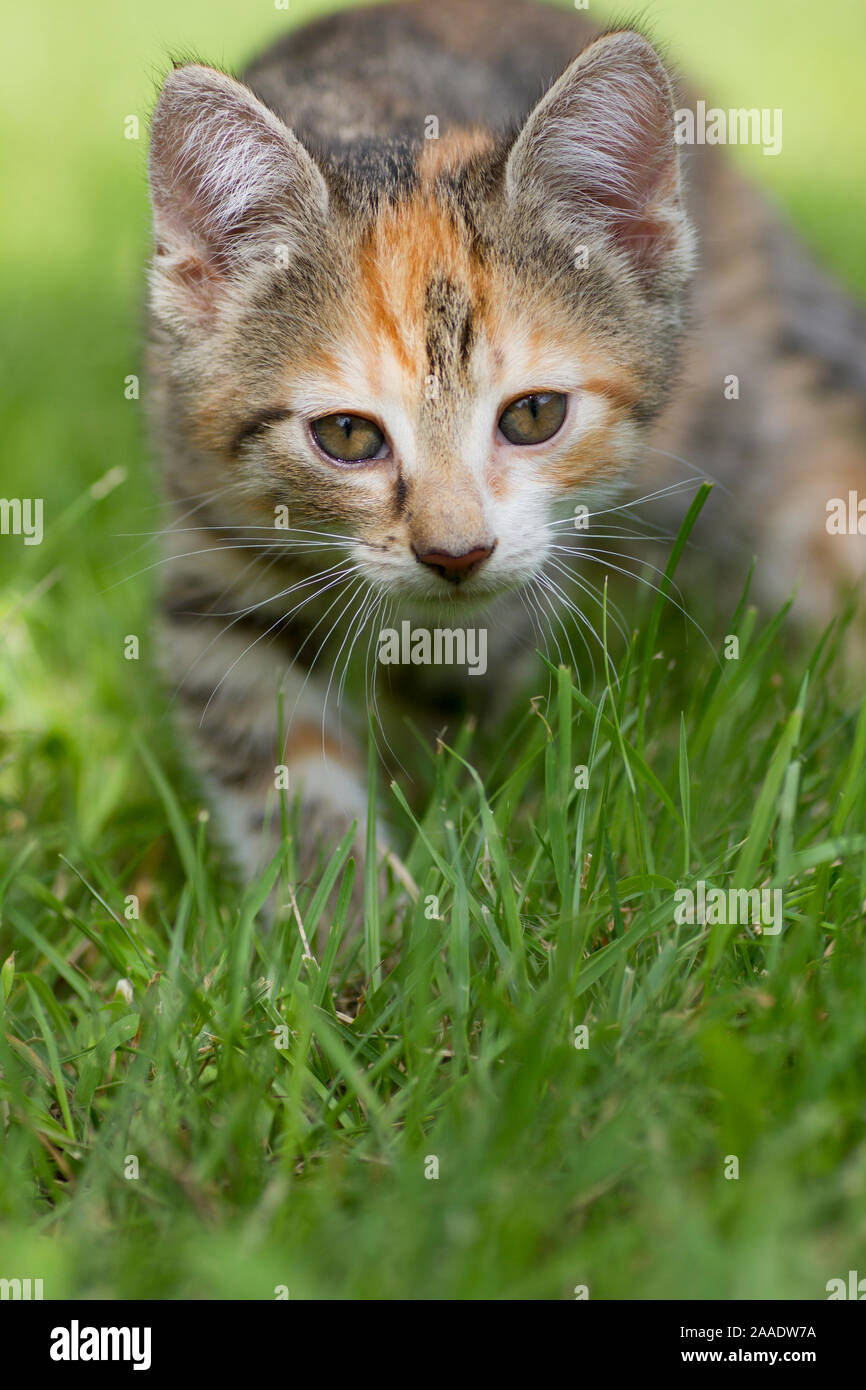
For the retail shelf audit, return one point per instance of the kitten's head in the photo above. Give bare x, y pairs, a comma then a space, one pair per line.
429, 350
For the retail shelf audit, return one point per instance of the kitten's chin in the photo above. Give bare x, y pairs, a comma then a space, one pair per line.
455, 604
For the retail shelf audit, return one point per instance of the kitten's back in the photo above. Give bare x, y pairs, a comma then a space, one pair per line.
379, 72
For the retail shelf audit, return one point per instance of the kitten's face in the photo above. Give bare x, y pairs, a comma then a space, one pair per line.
432, 372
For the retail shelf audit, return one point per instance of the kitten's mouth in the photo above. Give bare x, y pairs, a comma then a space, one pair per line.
451, 600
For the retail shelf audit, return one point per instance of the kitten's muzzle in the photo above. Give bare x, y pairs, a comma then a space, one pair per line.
455, 568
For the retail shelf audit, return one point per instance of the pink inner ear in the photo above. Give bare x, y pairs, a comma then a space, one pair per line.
225, 174
622, 129
639, 211
649, 238
601, 143
198, 275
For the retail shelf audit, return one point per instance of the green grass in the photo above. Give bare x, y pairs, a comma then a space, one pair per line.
282, 1109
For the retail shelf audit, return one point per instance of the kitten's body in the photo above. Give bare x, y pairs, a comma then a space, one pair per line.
374, 260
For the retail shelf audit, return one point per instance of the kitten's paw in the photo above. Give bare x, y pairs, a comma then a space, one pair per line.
330, 800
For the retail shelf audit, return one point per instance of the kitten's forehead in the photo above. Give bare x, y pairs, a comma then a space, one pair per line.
449, 328
434, 316
436, 319
423, 291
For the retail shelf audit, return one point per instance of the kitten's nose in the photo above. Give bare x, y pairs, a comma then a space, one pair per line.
455, 568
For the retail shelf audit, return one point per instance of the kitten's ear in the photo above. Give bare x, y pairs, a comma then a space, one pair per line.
600, 145
228, 181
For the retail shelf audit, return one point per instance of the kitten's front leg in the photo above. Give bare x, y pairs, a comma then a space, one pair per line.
230, 695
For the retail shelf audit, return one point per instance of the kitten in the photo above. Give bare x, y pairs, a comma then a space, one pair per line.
416, 292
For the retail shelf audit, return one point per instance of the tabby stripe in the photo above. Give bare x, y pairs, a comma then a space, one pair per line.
258, 424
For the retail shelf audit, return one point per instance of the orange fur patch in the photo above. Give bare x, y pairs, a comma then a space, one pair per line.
305, 740
409, 244
449, 152
620, 390
594, 457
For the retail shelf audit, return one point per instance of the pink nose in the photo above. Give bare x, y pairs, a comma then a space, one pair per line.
455, 567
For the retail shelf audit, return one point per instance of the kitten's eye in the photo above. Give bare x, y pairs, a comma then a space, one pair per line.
533, 418
349, 438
